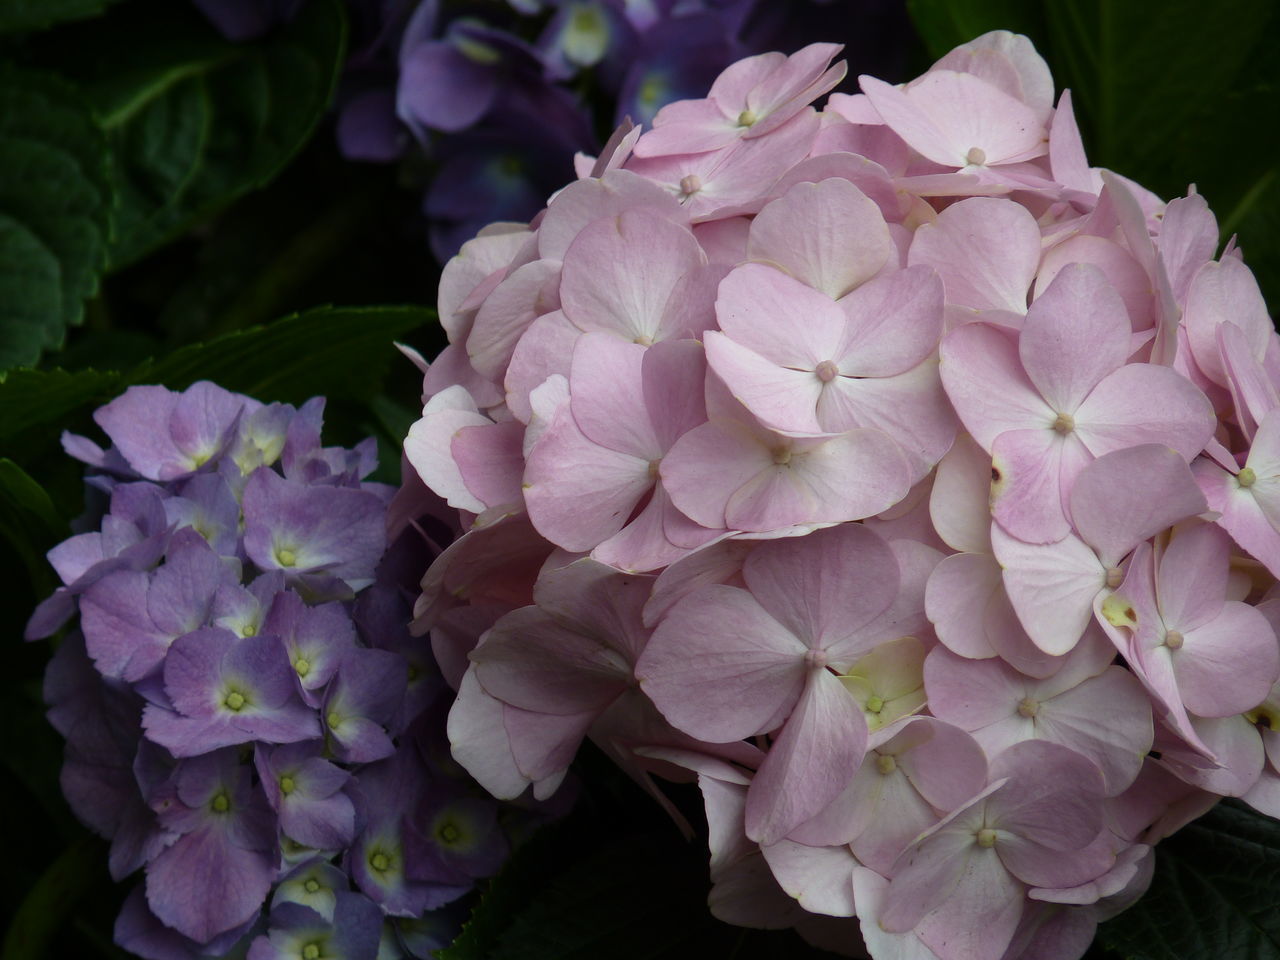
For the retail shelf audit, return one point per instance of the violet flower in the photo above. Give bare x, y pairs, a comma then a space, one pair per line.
246, 713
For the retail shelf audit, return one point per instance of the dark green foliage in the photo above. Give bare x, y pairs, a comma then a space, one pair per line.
55, 211
1215, 896
18, 15
194, 120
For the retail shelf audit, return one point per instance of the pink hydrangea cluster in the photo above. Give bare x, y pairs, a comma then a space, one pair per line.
905, 481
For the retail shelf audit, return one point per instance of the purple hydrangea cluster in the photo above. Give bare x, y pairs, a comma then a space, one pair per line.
518, 88
247, 719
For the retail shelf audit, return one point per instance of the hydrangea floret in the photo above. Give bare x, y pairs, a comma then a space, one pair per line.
890, 472
248, 721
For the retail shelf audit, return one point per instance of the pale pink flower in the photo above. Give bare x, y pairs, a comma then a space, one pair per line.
750, 99
1062, 394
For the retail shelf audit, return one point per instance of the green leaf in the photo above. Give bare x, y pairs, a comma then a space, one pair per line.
52, 899
330, 351
945, 24
55, 211
1256, 218
1110, 52
29, 522
35, 401
196, 120
1214, 896
20, 15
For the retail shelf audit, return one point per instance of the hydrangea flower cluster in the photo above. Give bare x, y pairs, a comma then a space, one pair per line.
248, 720
889, 470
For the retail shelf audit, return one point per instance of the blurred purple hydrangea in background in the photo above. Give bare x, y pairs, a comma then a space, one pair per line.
248, 720
497, 97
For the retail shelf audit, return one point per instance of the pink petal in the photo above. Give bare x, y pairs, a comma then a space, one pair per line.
490, 461
479, 259
905, 616
894, 322
1241, 514
778, 317
531, 662
891, 816
959, 500
579, 493
825, 586
971, 694
1188, 239
1141, 640
1122, 271
479, 740
1144, 403
720, 668
730, 178
691, 308
429, 449
544, 744
855, 475
869, 890
1253, 391
1051, 586
1010, 640
586, 200
526, 294
644, 543
594, 600
781, 397
1035, 467
620, 272
1234, 741
1051, 797
710, 463
958, 896
910, 407
1066, 149
947, 767
945, 115
1075, 334
545, 349
1033, 83
717, 563
1192, 585
986, 250
673, 373
1227, 665
828, 235
452, 368
688, 126
848, 164
984, 379
802, 79
819, 878
1220, 292
1038, 865
724, 241
806, 767
956, 600
1113, 514
1106, 719
607, 395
